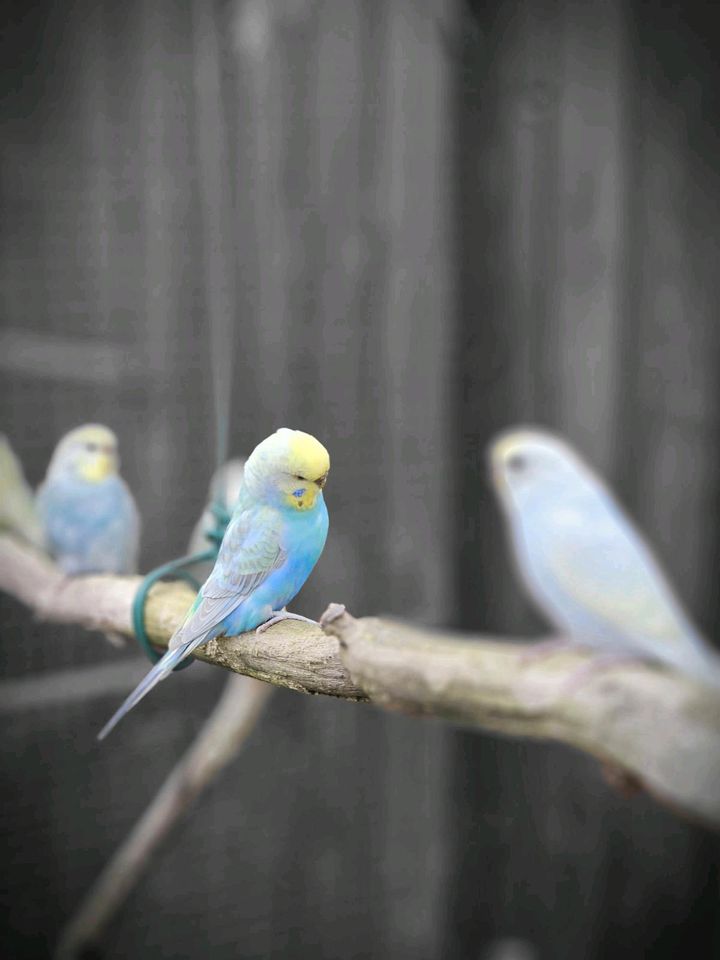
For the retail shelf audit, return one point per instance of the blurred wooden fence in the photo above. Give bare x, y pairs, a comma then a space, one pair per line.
424, 220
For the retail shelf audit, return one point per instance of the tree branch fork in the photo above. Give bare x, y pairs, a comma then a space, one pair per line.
655, 729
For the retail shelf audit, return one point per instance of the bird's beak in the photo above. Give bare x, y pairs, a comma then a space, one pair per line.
497, 456
321, 481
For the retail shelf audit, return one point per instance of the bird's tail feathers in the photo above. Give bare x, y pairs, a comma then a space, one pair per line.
161, 670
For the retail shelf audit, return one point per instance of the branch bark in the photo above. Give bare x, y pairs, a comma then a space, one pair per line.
659, 729
649, 727
290, 654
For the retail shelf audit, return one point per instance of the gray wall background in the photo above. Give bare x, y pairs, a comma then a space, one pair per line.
427, 221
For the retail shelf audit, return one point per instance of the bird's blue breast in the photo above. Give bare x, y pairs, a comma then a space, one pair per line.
89, 527
303, 536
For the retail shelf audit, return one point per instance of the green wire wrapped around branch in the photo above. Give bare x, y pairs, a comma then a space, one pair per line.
177, 570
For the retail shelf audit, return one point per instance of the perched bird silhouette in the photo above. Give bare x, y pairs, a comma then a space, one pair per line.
275, 538
584, 563
18, 510
89, 516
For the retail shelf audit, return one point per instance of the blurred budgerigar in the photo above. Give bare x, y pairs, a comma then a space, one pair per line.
18, 510
224, 491
89, 516
275, 538
583, 561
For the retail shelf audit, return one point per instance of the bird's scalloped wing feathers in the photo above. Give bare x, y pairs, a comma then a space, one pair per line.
208, 614
250, 552
606, 568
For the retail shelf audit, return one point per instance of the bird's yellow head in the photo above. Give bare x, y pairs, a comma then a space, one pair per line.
527, 461
288, 468
89, 453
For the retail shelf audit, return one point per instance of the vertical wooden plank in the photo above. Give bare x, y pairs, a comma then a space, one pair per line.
675, 392
410, 206
529, 86
591, 199
413, 204
261, 123
171, 277
503, 148
161, 302
220, 227
505, 214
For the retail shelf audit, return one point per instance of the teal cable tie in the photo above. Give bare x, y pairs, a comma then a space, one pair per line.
175, 568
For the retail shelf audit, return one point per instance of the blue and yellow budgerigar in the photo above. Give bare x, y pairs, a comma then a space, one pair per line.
274, 539
584, 563
88, 514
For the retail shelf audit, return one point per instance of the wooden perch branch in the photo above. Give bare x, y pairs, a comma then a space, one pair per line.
660, 729
290, 654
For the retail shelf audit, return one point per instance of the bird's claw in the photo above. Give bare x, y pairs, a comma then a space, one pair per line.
278, 615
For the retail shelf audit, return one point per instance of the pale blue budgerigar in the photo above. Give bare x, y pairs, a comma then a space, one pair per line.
274, 539
224, 491
18, 510
583, 561
89, 516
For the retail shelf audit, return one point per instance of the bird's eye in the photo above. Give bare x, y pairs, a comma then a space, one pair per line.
91, 447
517, 463
298, 477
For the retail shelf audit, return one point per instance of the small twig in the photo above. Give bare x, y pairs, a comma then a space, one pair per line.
217, 744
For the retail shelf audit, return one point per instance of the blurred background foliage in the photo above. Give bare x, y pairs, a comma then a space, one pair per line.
424, 221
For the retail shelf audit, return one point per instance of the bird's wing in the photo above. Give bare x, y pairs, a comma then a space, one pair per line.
605, 566
250, 552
